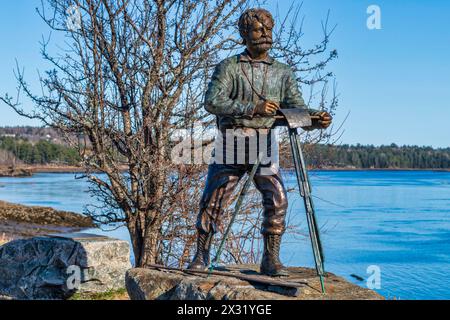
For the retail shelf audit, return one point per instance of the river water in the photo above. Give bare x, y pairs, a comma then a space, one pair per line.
396, 223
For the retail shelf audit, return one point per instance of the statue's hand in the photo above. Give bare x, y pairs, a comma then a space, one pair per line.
324, 120
267, 108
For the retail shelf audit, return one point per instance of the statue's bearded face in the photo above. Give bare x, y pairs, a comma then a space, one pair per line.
259, 36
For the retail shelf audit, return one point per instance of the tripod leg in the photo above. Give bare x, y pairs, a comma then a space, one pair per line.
308, 199
305, 191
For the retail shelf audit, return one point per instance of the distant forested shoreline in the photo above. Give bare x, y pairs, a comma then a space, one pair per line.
377, 157
17, 151
42, 146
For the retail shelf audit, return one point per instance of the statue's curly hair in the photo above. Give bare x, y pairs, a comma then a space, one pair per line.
249, 15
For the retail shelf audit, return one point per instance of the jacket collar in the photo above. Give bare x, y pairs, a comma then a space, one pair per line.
245, 57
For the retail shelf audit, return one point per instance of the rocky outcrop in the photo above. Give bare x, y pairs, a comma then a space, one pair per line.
42, 216
11, 230
56, 267
159, 284
19, 221
15, 172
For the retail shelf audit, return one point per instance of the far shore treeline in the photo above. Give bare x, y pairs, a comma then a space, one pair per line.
42, 146
43, 152
378, 157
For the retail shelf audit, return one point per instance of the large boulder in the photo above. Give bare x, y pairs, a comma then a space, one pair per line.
57, 266
160, 284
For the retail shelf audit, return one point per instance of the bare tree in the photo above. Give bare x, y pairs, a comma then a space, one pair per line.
131, 73
7, 158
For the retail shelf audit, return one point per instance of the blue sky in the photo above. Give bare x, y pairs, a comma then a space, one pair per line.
395, 81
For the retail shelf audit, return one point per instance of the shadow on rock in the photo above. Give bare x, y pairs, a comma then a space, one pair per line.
58, 266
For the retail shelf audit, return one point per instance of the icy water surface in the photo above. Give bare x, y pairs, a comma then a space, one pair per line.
397, 221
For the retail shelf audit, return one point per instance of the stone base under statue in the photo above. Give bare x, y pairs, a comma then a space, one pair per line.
152, 284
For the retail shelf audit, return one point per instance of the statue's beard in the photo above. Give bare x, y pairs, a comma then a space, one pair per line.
261, 45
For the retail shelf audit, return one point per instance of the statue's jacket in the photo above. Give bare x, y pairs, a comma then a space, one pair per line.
231, 98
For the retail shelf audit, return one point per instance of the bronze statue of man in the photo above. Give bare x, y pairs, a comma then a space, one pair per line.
245, 91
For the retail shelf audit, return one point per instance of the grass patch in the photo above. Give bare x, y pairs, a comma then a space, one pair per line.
120, 294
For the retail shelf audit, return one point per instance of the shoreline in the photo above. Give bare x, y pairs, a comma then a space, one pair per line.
377, 169
55, 169
19, 221
74, 169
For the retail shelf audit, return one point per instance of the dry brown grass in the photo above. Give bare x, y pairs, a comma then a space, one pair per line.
116, 295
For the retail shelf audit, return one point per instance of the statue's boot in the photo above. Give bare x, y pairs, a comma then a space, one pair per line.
201, 258
270, 264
